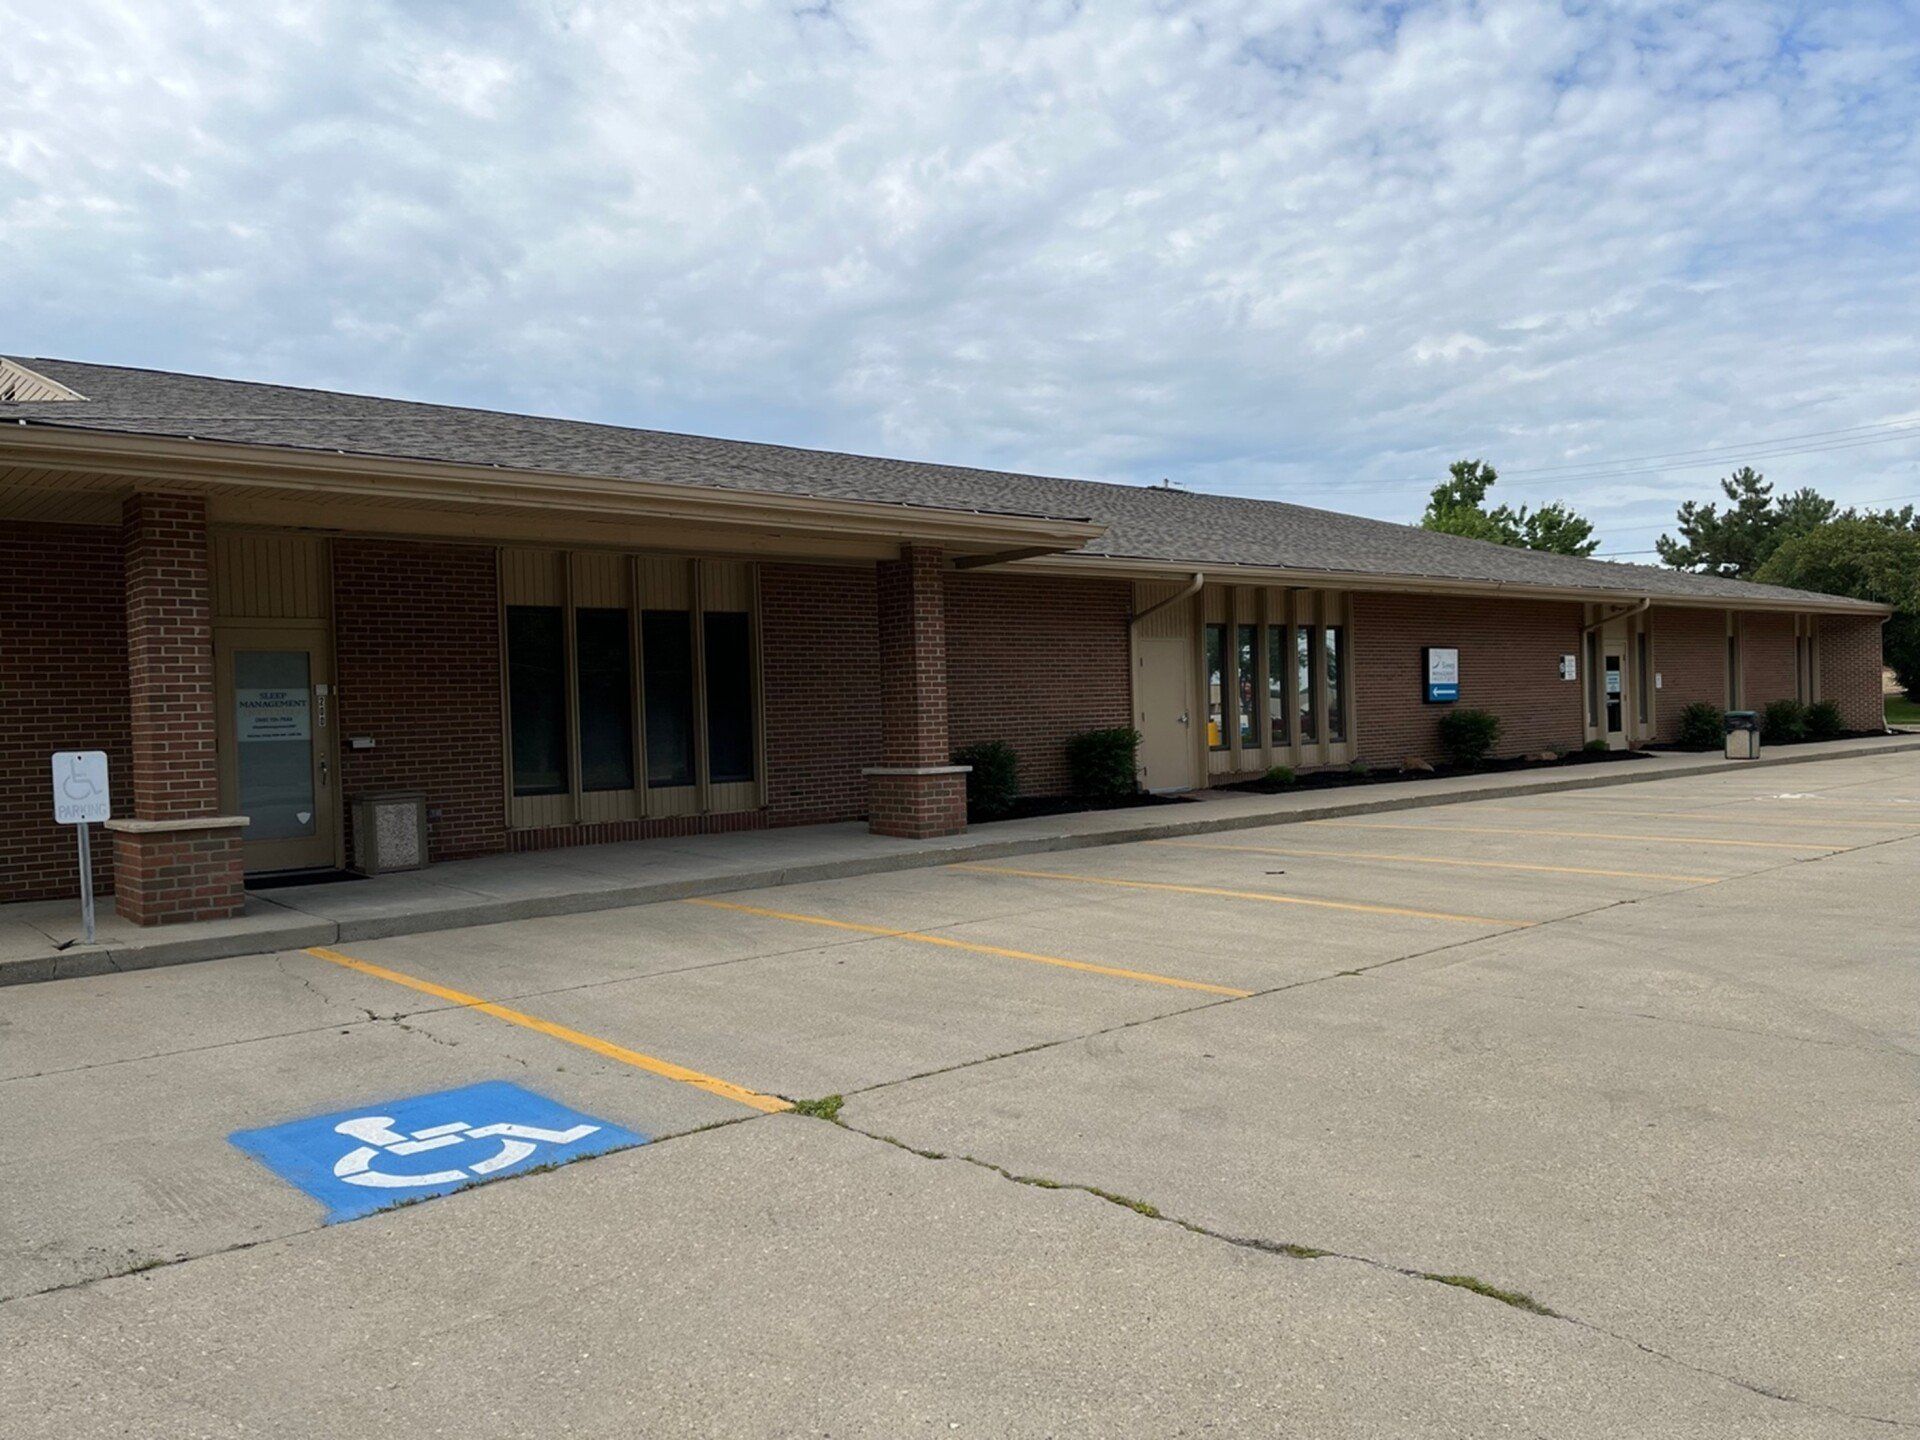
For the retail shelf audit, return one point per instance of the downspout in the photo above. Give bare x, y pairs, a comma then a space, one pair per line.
1639, 608
1193, 588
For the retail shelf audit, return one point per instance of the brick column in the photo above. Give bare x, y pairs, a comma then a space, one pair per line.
175, 857
915, 791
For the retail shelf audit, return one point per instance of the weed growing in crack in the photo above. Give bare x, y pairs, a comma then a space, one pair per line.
1519, 1299
827, 1107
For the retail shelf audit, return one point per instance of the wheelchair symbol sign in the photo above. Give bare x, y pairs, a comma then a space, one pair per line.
358, 1161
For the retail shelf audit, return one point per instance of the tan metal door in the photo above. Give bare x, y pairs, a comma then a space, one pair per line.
275, 734
1163, 710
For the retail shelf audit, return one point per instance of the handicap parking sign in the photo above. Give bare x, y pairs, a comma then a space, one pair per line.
358, 1161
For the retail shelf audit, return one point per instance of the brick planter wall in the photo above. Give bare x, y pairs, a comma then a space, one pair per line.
1033, 660
166, 877
1509, 663
417, 653
63, 686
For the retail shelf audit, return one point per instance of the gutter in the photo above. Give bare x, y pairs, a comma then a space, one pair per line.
1640, 608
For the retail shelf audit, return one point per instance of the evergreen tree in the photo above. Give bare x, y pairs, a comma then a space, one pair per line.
1458, 506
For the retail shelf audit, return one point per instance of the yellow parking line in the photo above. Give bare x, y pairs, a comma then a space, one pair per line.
1581, 835
922, 938
1262, 895
665, 1068
1756, 821
1437, 860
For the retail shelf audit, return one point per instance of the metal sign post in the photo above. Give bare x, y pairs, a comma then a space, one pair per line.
80, 797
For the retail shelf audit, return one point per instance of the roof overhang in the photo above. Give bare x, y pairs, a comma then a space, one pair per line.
1182, 571
50, 456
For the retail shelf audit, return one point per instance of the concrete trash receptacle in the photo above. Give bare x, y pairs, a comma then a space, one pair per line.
1743, 735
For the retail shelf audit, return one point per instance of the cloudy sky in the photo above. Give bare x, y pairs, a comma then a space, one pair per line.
1300, 248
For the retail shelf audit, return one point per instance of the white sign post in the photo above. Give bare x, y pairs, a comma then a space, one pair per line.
80, 797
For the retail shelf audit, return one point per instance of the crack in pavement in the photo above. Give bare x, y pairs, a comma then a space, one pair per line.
1293, 1250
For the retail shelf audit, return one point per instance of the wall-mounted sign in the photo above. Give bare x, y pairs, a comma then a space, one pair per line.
1442, 667
1613, 682
271, 715
1569, 667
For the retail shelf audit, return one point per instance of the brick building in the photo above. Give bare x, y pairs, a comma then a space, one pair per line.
264, 602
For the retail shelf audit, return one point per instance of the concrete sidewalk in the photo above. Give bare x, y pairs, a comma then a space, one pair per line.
39, 940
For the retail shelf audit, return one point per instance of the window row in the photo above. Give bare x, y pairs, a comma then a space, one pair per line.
1276, 686
558, 710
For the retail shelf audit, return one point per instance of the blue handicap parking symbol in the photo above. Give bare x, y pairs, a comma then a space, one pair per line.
358, 1161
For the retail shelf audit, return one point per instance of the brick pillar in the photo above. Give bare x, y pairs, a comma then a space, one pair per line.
175, 857
915, 791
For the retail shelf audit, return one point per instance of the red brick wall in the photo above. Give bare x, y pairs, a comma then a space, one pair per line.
1509, 663
911, 598
821, 688
1033, 660
1690, 657
63, 686
1850, 666
1769, 667
417, 653
167, 877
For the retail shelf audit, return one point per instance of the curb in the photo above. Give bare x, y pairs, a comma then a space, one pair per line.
297, 934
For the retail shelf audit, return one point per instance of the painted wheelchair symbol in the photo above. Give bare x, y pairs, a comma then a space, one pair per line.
75, 785
378, 1138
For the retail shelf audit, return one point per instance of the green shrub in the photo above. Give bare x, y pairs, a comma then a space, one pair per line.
1104, 764
1280, 775
1783, 722
1595, 747
994, 782
1823, 721
1703, 726
1358, 769
1468, 736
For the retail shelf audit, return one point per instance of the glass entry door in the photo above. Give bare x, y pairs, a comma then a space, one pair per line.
276, 751
1614, 697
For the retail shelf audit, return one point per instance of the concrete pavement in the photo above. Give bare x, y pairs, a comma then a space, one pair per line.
1643, 1059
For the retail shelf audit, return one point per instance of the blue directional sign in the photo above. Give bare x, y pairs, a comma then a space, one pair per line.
358, 1161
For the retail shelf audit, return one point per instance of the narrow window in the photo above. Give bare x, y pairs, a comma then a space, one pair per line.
1307, 637
603, 662
1643, 680
537, 698
1733, 670
1336, 682
1277, 683
1214, 638
1247, 680
729, 657
666, 647
1593, 678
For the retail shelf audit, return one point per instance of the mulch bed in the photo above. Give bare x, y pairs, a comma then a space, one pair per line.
1337, 779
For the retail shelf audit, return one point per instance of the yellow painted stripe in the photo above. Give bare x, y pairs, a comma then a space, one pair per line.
1580, 835
1437, 860
920, 937
1754, 821
653, 1066
1265, 896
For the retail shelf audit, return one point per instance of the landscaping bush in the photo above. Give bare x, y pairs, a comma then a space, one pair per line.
994, 782
1823, 721
1783, 722
1595, 747
1703, 726
1104, 764
1280, 775
1468, 736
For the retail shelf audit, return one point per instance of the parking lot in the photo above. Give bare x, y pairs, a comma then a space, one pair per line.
1580, 1114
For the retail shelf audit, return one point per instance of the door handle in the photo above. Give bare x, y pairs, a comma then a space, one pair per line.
323, 772
1183, 718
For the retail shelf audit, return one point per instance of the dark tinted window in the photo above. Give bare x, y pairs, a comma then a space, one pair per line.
666, 650
537, 698
606, 699
729, 660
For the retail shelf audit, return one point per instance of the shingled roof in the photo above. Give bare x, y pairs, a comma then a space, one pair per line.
1157, 525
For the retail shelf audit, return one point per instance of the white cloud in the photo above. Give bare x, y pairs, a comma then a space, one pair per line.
1301, 248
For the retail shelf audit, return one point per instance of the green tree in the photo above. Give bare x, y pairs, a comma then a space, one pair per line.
1732, 544
1458, 506
1871, 556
